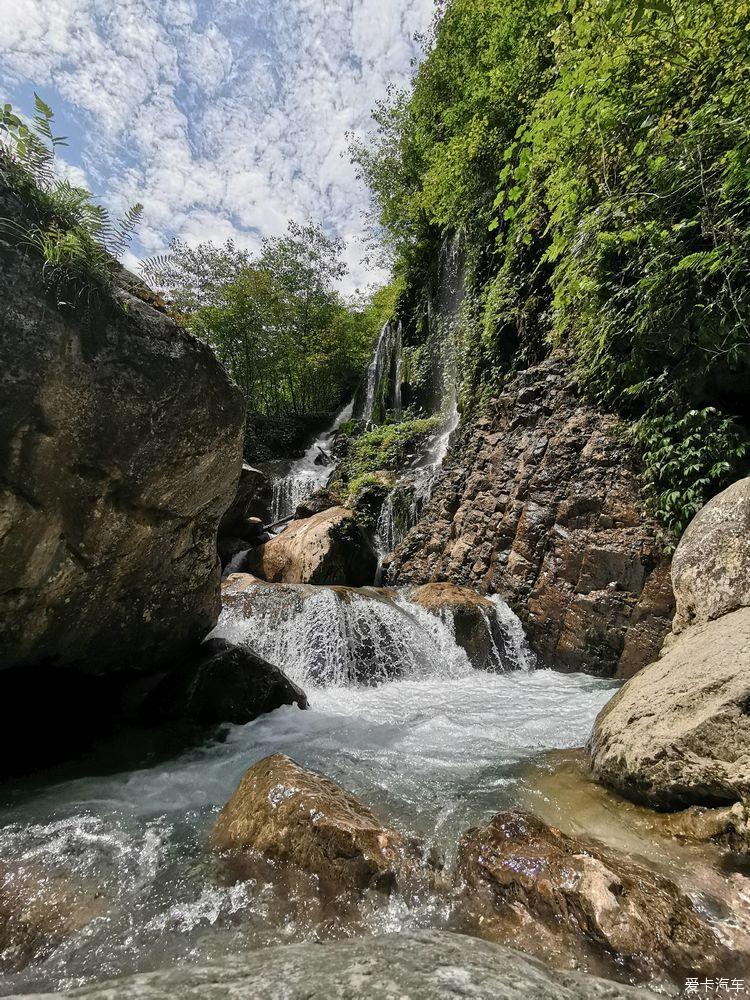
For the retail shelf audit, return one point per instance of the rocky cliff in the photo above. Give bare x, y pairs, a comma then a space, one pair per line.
120, 448
539, 502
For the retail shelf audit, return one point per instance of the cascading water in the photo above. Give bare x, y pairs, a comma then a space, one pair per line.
308, 473
398, 716
382, 385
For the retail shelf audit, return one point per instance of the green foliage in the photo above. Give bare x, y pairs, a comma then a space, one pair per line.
596, 158
75, 238
276, 320
387, 447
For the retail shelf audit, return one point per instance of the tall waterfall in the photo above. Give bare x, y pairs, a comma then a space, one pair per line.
381, 391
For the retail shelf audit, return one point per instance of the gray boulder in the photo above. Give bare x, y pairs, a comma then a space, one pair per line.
678, 733
429, 965
711, 566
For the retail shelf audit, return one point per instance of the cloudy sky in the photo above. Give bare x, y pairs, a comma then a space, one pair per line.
224, 117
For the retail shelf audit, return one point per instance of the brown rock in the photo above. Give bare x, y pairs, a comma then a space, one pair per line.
539, 502
291, 815
577, 905
38, 912
711, 565
326, 548
678, 733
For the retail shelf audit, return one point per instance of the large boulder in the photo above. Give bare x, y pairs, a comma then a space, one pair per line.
678, 733
424, 965
223, 682
291, 815
328, 547
711, 565
38, 911
577, 905
120, 449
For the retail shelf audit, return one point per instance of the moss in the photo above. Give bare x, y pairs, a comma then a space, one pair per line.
388, 447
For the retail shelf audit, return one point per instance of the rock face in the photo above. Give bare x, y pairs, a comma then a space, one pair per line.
539, 503
328, 547
427, 965
678, 733
474, 622
711, 566
120, 449
578, 906
38, 912
252, 500
295, 816
223, 682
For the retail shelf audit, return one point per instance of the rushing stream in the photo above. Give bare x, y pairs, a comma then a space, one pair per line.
435, 751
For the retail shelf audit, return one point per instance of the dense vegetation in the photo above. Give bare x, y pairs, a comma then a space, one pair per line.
74, 238
294, 346
595, 159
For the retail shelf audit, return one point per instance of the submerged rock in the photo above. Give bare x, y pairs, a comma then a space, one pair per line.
577, 905
425, 965
120, 449
539, 501
295, 816
328, 547
678, 733
38, 911
223, 682
711, 565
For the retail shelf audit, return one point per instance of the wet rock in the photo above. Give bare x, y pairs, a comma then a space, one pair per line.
223, 682
539, 502
120, 449
230, 548
711, 565
295, 816
678, 733
474, 622
251, 501
578, 905
329, 547
424, 965
38, 911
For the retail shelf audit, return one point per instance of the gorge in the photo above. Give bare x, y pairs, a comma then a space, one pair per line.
394, 644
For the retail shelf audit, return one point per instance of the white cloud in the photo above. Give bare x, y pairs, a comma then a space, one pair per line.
224, 118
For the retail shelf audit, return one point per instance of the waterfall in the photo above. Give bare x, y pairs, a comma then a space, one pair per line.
382, 386
337, 636
307, 474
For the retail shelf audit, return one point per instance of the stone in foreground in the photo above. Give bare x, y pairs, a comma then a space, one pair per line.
428, 965
294, 816
579, 906
327, 548
678, 733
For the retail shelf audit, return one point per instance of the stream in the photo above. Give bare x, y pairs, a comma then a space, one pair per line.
438, 749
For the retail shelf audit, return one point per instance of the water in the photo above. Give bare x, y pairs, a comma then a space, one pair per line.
438, 749
307, 474
383, 381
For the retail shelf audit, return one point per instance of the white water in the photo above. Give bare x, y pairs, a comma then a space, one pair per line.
433, 752
306, 474
387, 348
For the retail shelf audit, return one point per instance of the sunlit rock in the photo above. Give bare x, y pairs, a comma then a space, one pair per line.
678, 733
295, 816
577, 905
328, 547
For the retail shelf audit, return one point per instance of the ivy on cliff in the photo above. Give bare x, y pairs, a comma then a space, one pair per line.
595, 157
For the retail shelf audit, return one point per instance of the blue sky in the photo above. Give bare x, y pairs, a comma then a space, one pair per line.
224, 117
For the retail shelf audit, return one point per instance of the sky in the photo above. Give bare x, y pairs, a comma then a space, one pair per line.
226, 118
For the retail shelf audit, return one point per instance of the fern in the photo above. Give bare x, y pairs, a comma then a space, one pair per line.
75, 238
